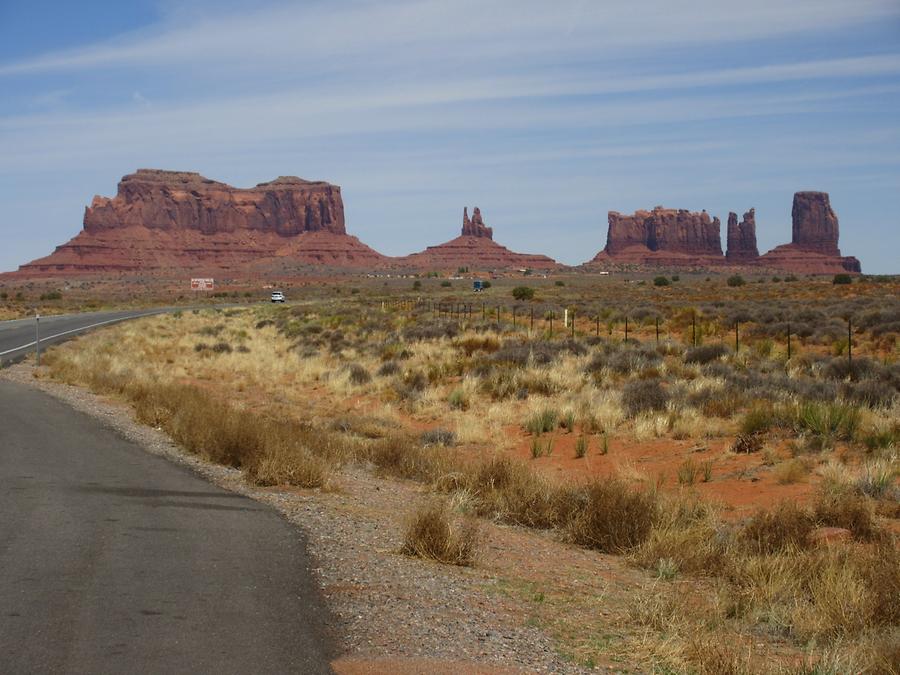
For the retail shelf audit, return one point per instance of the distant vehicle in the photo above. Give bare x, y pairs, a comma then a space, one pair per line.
277, 296
476, 285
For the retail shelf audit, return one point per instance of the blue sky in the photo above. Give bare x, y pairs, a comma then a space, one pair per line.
546, 115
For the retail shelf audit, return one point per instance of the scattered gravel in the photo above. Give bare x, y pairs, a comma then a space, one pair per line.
395, 613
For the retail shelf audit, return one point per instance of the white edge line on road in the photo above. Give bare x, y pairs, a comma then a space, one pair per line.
75, 330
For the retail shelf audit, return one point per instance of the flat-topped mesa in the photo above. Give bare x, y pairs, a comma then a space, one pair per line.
664, 230
815, 226
742, 238
167, 222
476, 226
174, 200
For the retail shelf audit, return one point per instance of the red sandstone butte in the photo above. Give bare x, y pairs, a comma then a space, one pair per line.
814, 244
474, 248
173, 220
662, 237
742, 238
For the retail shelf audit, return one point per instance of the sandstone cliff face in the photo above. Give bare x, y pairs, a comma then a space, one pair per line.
185, 223
180, 200
742, 238
476, 226
815, 227
664, 231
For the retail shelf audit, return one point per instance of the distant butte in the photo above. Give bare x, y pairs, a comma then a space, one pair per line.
677, 237
177, 223
474, 248
814, 242
174, 220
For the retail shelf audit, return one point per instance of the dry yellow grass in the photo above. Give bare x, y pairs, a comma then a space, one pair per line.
768, 583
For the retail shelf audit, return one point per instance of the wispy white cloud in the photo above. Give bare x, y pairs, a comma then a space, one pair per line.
334, 35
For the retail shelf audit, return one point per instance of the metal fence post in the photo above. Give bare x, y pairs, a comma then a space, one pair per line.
850, 347
37, 338
737, 340
789, 340
657, 330
626, 328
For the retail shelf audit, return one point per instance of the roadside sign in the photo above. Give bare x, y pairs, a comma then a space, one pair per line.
201, 284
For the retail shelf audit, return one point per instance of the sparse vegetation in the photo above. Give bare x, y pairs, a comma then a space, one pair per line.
458, 401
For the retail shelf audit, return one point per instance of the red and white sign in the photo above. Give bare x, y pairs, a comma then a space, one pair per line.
201, 284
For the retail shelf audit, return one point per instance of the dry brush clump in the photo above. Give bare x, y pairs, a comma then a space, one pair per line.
433, 533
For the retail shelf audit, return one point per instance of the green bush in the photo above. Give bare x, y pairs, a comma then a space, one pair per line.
446, 284
661, 281
736, 280
523, 293
842, 279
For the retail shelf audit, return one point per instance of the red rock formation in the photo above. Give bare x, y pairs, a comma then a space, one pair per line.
814, 245
662, 236
742, 238
815, 227
476, 226
183, 221
476, 249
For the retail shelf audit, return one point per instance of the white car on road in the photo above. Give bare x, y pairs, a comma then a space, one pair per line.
277, 296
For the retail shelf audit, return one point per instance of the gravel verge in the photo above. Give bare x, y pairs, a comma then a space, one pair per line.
395, 613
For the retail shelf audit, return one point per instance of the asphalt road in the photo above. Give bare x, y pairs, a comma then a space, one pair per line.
17, 337
113, 560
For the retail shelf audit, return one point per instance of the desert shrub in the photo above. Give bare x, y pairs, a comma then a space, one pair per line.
773, 530
431, 331
845, 509
432, 534
840, 368
286, 463
508, 491
644, 396
501, 384
458, 399
438, 436
523, 293
871, 393
610, 516
358, 374
758, 420
736, 280
828, 421
625, 361
471, 344
661, 281
704, 354
581, 447
388, 368
688, 471
402, 457
791, 471
747, 443
211, 331
222, 348
842, 279
542, 422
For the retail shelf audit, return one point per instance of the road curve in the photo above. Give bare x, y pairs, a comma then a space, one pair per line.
114, 560
17, 337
